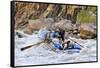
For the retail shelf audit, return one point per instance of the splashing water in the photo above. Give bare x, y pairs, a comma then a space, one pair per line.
44, 55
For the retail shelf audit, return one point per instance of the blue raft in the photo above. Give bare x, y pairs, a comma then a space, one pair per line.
72, 48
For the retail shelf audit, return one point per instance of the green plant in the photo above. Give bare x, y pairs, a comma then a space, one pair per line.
87, 16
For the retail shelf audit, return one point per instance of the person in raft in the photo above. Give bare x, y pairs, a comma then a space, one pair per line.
69, 45
55, 37
63, 44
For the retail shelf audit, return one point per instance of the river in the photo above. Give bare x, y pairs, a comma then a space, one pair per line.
43, 55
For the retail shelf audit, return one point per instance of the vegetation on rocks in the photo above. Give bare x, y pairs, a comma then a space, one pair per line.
87, 15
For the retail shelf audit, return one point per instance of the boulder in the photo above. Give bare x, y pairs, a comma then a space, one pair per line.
64, 24
38, 24
20, 34
88, 31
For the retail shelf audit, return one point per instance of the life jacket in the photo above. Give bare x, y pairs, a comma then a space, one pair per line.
56, 43
56, 34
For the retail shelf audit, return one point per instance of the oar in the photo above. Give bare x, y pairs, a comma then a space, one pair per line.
24, 48
49, 46
76, 42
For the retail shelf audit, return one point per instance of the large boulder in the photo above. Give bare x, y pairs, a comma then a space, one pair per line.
38, 24
64, 24
88, 31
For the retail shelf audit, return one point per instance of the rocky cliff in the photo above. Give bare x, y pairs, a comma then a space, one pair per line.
34, 16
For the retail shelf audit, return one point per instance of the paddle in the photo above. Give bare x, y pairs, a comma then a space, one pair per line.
76, 42
29, 46
24, 48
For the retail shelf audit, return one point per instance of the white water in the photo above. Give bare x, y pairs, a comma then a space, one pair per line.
38, 55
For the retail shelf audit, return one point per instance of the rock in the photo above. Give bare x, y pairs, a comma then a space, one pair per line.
75, 31
38, 24
21, 21
88, 31
64, 24
20, 34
